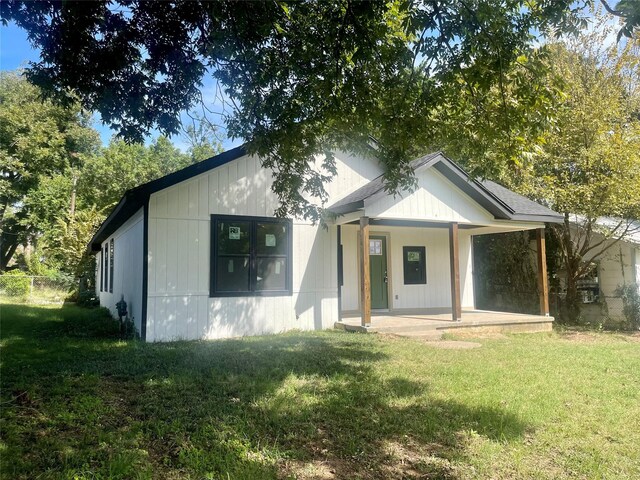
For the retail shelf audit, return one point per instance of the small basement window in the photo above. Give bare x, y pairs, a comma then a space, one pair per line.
415, 265
250, 256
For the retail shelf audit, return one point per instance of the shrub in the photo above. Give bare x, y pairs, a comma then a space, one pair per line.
630, 295
15, 283
128, 330
88, 298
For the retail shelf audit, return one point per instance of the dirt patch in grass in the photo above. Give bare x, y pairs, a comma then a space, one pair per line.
476, 335
398, 460
313, 469
453, 344
581, 336
414, 461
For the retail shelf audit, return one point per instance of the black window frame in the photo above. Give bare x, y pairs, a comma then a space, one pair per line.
111, 263
253, 257
101, 270
423, 264
105, 271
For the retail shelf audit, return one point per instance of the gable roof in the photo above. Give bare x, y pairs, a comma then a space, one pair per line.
136, 198
501, 202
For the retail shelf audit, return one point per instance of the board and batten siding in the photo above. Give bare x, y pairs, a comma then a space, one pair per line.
435, 199
437, 291
179, 306
617, 266
127, 269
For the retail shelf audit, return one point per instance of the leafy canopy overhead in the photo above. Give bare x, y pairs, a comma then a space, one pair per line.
295, 79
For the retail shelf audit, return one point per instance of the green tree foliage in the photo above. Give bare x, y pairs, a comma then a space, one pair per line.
57, 184
299, 78
67, 241
101, 183
589, 166
38, 139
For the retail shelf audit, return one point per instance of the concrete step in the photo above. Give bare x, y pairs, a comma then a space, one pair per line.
400, 329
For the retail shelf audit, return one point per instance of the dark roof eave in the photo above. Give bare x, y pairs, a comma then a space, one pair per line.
347, 208
537, 218
474, 189
128, 205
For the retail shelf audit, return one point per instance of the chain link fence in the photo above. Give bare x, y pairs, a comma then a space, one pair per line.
19, 287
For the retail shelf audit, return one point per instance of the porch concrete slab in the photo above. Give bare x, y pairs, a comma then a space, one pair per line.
476, 321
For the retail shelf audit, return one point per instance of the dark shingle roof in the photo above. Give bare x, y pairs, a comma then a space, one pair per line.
498, 200
517, 203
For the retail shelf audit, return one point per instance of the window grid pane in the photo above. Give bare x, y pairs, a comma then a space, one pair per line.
111, 265
251, 256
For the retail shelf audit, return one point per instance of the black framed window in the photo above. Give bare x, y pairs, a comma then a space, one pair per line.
250, 256
105, 268
101, 271
414, 265
111, 265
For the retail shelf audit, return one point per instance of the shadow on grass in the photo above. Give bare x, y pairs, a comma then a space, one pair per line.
82, 402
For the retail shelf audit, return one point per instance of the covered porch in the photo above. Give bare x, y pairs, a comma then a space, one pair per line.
406, 261
441, 297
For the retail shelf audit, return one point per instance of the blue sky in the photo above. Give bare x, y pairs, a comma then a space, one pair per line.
17, 52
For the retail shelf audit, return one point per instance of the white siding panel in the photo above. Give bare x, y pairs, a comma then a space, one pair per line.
194, 197
172, 255
182, 283
435, 199
173, 201
179, 250
354, 171
151, 259
191, 247
636, 257
616, 268
435, 294
350, 274
203, 254
127, 271
466, 270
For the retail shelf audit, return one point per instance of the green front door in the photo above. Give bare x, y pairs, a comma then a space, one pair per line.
378, 263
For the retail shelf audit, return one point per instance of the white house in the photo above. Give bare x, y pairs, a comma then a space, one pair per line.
614, 253
197, 254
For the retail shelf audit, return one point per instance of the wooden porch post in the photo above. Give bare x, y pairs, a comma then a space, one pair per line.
365, 275
454, 257
543, 285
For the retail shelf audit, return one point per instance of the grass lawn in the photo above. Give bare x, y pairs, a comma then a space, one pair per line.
79, 403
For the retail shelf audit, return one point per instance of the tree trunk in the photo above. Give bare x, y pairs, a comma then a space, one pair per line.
572, 300
570, 307
6, 256
72, 203
3, 209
